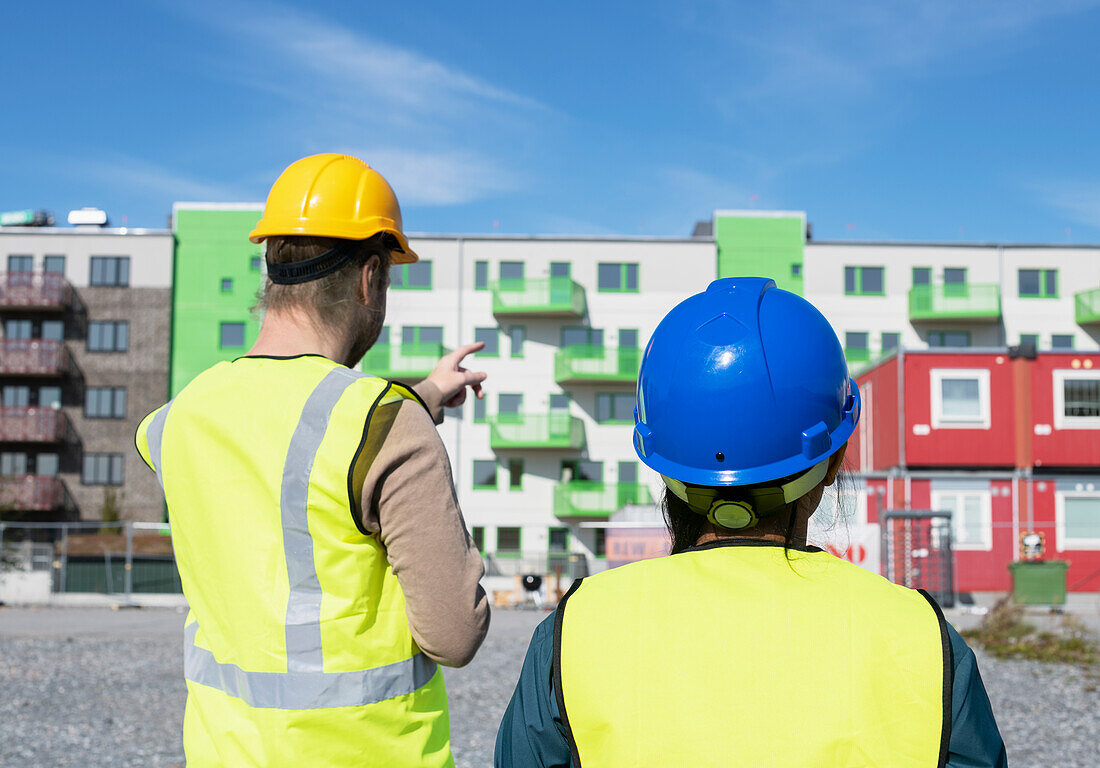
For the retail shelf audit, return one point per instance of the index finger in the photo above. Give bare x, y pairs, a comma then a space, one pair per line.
466, 349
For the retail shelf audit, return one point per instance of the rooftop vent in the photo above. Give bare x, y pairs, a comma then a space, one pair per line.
88, 217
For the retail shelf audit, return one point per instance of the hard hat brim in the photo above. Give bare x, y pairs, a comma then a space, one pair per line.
313, 228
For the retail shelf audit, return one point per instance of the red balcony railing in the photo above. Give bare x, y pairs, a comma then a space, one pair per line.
34, 357
32, 493
34, 290
19, 424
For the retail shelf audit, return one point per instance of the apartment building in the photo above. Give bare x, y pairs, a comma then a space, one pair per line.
84, 317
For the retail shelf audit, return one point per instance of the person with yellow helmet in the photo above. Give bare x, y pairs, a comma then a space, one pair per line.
315, 523
746, 646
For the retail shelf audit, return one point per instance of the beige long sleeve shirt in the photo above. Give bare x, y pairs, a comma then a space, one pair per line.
409, 500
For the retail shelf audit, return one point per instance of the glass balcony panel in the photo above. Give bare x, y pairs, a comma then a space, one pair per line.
579, 363
535, 297
956, 301
536, 431
33, 290
598, 500
406, 361
1087, 306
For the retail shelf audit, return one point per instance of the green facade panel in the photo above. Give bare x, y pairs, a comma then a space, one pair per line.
216, 279
761, 245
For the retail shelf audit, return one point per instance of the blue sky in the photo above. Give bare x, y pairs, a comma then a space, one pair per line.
950, 121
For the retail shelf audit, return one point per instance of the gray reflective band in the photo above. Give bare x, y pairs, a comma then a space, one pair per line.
303, 607
155, 436
304, 690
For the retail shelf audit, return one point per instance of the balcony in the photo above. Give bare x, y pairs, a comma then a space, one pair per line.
34, 357
597, 500
19, 424
546, 431
976, 303
581, 364
1087, 305
405, 362
34, 290
33, 493
538, 297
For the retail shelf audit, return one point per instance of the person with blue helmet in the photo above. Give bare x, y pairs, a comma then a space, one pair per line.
746, 646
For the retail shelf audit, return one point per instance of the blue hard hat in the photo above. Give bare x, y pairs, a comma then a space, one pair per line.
742, 384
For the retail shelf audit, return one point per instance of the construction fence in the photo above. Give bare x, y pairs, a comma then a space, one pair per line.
121, 558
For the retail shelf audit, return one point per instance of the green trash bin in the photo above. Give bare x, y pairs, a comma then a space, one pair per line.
1039, 582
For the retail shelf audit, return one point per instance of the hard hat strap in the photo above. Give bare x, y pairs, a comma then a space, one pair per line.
315, 268
762, 499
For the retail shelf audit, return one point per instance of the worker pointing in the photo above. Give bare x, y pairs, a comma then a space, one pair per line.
746, 646
314, 519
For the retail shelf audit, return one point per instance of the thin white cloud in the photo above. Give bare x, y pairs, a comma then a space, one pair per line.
124, 172
1077, 201
429, 178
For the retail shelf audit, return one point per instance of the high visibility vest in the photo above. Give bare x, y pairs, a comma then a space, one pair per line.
731, 655
297, 647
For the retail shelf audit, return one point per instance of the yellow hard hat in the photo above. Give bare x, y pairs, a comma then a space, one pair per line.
333, 196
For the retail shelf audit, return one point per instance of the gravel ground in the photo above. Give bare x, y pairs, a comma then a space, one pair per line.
74, 691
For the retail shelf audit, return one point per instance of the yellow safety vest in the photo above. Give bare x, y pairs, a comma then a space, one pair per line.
731, 655
297, 647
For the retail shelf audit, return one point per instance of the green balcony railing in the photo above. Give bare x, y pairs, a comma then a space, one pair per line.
582, 362
1087, 305
583, 498
404, 361
955, 302
545, 431
542, 296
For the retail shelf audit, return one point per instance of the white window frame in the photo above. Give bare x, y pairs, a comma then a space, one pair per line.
1060, 521
939, 421
985, 498
1061, 421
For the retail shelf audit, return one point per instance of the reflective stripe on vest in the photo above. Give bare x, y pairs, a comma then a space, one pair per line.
304, 685
731, 655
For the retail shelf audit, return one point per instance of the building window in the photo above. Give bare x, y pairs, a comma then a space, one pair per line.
922, 276
891, 340
1077, 516
509, 406
105, 402
110, 270
971, 517
1029, 338
615, 408
960, 398
581, 336
232, 335
559, 539
949, 338
954, 281
485, 473
428, 338
864, 281
628, 338
491, 337
560, 269
54, 265
49, 396
481, 275
18, 329
53, 330
48, 464
515, 474
559, 403
1038, 283
479, 410
581, 471
254, 263
856, 347
20, 263
508, 542
617, 278
1076, 399
1061, 341
600, 548
13, 463
511, 271
412, 277
227, 284
15, 396
477, 533
109, 336
102, 469
517, 334
796, 270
